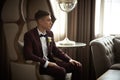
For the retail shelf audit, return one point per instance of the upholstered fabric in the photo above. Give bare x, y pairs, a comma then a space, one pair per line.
22, 71
10, 30
24, 30
11, 10
31, 25
117, 49
42, 77
38, 4
115, 66
16, 16
103, 54
110, 75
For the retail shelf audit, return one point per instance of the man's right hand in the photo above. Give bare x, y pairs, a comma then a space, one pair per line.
52, 64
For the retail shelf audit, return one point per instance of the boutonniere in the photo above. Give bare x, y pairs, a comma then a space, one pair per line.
49, 40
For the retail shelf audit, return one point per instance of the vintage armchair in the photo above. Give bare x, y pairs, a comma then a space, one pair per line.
17, 18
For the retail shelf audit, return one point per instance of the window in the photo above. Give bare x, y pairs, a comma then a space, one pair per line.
107, 18
59, 25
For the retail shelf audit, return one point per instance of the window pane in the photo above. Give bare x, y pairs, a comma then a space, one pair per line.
107, 18
112, 17
59, 25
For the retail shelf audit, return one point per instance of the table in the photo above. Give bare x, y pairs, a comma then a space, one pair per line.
65, 47
77, 44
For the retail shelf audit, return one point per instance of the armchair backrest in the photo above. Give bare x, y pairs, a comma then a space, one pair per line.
10, 15
10, 31
18, 18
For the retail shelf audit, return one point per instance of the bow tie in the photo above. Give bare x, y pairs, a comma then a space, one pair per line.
41, 35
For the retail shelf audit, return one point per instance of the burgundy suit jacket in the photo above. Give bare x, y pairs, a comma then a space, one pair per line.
33, 48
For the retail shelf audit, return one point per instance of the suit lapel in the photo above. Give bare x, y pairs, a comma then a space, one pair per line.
38, 42
48, 44
37, 36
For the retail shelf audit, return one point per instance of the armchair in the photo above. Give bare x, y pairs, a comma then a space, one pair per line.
20, 70
36, 65
17, 18
104, 59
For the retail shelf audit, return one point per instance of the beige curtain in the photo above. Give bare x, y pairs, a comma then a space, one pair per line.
81, 29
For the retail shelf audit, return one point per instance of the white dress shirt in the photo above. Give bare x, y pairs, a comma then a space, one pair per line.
44, 47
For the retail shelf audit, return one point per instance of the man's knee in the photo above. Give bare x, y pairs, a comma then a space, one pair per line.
62, 72
77, 68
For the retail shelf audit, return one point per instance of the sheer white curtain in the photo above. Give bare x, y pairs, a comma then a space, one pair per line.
59, 25
107, 18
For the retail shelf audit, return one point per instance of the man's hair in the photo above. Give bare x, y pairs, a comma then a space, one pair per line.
40, 14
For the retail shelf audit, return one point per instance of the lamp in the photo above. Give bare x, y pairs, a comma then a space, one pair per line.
67, 6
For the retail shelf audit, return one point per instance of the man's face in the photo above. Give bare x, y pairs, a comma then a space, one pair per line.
45, 22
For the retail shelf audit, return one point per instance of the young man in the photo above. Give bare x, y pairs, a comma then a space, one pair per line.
39, 46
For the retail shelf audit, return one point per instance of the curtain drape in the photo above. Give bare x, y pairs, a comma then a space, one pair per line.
81, 29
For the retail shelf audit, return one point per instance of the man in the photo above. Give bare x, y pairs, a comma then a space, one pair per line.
39, 46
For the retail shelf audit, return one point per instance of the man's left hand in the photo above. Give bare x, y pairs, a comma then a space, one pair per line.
74, 62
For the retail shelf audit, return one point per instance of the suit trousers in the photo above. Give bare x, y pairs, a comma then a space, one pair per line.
60, 71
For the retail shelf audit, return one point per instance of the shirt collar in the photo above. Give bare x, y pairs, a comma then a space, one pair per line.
39, 32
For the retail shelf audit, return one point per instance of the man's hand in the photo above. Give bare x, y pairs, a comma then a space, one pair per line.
74, 62
52, 64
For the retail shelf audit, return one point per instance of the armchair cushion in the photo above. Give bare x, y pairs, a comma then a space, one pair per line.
117, 49
115, 66
42, 77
